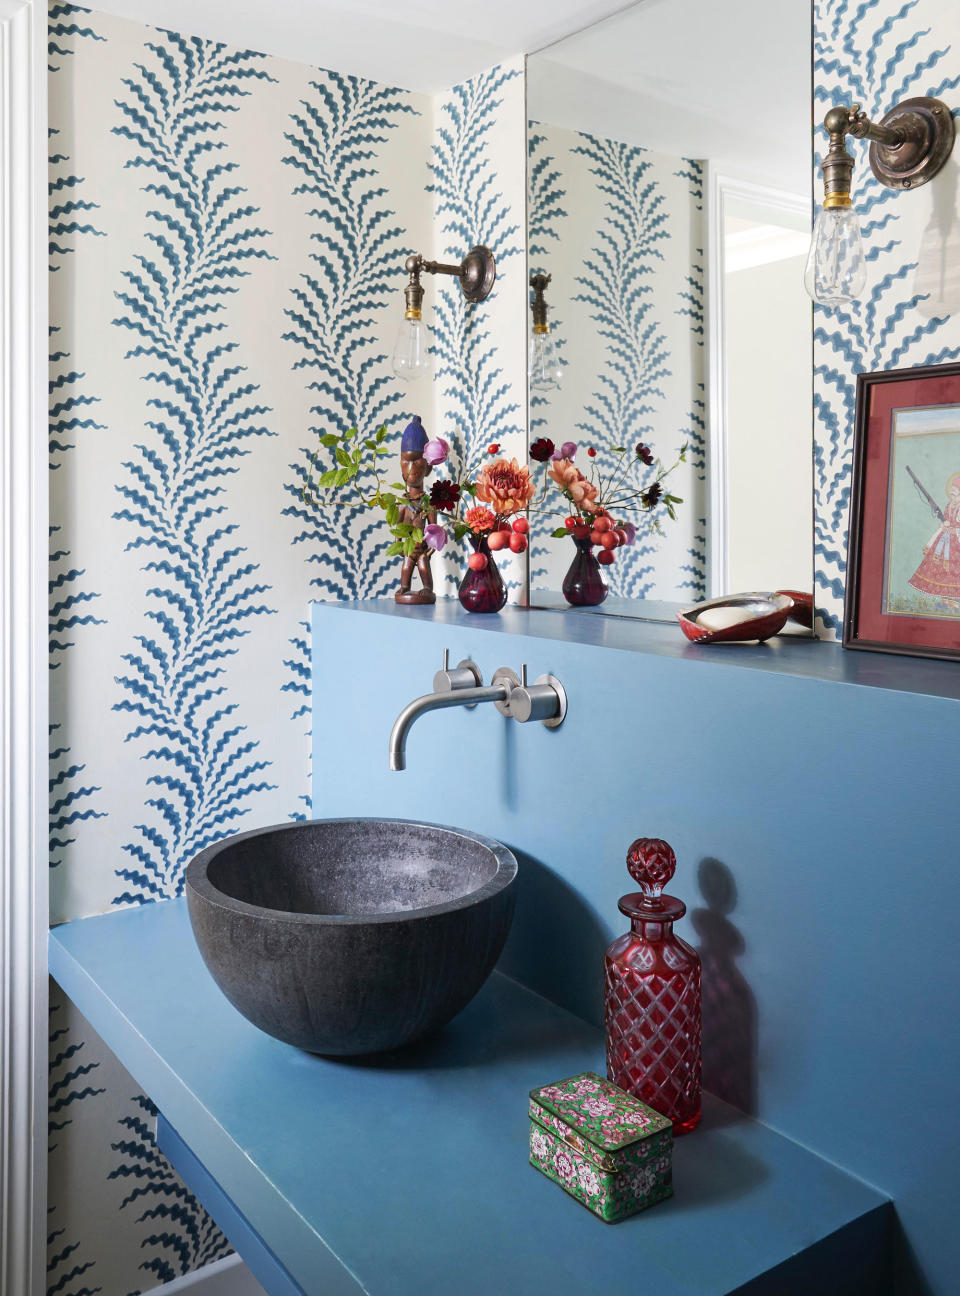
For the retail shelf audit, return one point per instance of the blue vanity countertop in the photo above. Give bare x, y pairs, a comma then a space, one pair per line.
795, 655
409, 1176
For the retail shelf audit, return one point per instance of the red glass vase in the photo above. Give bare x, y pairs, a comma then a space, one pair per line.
482, 591
583, 585
652, 995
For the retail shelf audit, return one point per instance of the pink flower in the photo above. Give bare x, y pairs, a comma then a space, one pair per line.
434, 536
539, 1144
589, 1180
436, 451
596, 1107
574, 485
563, 1166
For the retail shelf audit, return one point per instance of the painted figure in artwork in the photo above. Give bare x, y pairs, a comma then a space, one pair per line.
939, 572
415, 469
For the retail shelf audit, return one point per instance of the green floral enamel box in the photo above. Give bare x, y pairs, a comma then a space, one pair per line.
607, 1149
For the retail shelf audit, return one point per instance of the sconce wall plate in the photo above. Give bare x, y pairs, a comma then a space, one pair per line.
928, 131
478, 270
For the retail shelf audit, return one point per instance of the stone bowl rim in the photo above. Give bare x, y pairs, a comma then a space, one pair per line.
197, 880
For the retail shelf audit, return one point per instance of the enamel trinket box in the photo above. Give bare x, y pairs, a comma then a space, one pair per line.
606, 1148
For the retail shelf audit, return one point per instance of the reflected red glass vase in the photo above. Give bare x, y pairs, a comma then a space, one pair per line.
482, 591
583, 585
652, 995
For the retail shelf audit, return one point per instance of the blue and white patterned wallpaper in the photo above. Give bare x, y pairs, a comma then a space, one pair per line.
875, 53
620, 230
227, 237
227, 234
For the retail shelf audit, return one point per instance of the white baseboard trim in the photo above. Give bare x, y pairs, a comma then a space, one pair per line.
227, 1277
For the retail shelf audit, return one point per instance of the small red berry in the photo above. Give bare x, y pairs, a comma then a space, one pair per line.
596, 536
518, 542
521, 526
602, 523
570, 523
592, 453
621, 536
580, 532
497, 540
493, 448
504, 525
477, 562
606, 556
609, 540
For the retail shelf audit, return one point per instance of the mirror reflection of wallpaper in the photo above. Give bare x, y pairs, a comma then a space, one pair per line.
621, 230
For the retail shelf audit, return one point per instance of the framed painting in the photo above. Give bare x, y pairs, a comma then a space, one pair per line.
903, 553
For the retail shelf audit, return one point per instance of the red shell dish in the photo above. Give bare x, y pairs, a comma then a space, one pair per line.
764, 615
802, 610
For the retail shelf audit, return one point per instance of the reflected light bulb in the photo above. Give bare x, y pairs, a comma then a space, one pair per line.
411, 359
546, 370
836, 272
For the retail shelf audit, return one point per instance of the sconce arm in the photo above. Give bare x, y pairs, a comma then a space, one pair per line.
861, 127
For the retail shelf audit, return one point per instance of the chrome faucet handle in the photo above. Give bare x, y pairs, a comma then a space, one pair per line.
466, 674
545, 700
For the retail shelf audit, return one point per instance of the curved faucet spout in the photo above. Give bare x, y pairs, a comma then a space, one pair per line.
435, 702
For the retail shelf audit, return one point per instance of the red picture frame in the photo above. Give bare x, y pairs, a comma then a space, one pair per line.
903, 585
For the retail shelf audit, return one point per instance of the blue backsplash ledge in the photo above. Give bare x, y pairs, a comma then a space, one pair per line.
806, 792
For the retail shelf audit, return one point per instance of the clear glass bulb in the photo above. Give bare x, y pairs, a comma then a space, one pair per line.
836, 272
411, 359
546, 371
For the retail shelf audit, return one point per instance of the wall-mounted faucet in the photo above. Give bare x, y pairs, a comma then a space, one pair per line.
544, 700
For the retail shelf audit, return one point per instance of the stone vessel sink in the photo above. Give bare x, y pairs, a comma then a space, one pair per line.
351, 936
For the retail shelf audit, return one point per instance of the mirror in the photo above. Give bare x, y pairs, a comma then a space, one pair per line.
669, 198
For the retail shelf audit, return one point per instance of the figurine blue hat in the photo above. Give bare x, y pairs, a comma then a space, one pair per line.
414, 436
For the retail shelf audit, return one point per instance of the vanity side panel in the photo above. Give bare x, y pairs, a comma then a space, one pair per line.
816, 854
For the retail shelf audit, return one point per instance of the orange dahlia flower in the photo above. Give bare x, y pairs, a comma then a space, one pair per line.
573, 483
479, 518
506, 487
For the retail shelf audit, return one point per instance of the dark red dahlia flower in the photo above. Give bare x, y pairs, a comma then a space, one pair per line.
444, 495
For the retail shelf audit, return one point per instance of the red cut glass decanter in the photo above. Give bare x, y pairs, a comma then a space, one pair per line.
652, 995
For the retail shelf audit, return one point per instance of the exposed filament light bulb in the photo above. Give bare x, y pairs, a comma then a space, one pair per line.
411, 358
836, 270
546, 371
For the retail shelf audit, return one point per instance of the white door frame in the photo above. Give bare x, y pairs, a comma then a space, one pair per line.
23, 610
722, 189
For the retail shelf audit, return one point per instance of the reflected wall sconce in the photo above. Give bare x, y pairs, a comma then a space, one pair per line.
546, 370
476, 274
908, 147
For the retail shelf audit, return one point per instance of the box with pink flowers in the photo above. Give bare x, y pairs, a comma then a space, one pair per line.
606, 1148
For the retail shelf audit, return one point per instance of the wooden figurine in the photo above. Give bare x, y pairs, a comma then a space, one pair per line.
415, 469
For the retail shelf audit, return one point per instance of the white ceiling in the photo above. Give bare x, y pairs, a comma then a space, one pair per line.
418, 44
730, 81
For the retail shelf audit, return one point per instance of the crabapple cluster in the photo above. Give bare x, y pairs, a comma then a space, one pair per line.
604, 532
503, 536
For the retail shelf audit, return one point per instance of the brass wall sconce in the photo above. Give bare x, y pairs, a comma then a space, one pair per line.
908, 147
476, 274
546, 370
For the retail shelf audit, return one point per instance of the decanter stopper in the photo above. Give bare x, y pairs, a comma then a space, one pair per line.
652, 864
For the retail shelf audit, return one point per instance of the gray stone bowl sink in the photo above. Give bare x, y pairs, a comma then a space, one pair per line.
351, 936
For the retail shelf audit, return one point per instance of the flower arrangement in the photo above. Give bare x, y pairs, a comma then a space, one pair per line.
486, 506
597, 498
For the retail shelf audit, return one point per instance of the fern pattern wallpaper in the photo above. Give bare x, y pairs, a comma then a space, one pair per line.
227, 237
620, 230
227, 232
875, 53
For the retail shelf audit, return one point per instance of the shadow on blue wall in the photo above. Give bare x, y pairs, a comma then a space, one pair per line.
729, 1005
555, 935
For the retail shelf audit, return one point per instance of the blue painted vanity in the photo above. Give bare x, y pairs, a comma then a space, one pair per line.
808, 794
